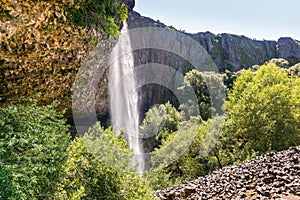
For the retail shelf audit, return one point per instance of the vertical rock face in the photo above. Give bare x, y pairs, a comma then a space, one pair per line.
234, 52
289, 49
229, 51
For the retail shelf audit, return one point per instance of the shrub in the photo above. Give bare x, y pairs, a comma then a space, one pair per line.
85, 177
33, 143
159, 123
184, 155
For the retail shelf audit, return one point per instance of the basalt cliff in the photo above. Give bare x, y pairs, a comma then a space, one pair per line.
231, 52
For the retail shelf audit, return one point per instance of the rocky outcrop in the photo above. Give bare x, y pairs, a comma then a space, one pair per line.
289, 49
129, 4
272, 176
231, 52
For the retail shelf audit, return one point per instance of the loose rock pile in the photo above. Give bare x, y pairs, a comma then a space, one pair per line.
272, 176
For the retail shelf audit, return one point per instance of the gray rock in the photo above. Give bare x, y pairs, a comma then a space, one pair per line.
229, 51
262, 182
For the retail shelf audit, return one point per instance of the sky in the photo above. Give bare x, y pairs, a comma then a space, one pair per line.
259, 19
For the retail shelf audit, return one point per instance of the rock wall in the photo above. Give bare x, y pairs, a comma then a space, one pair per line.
289, 49
229, 51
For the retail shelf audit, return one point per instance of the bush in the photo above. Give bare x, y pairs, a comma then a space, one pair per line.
33, 143
85, 177
114, 151
184, 154
99, 167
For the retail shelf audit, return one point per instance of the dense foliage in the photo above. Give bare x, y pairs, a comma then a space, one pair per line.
262, 115
113, 152
186, 153
37, 160
99, 167
263, 109
105, 15
158, 124
33, 142
85, 177
208, 88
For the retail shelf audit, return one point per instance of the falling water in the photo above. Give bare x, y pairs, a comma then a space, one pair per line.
124, 97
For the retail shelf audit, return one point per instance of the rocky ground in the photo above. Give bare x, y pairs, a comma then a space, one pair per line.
272, 176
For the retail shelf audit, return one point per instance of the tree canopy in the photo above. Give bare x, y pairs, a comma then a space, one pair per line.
263, 108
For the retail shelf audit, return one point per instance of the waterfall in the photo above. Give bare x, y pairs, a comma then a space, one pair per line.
124, 97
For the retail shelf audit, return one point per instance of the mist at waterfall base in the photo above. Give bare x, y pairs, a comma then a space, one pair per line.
124, 98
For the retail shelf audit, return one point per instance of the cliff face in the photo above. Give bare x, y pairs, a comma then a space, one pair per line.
234, 52
229, 51
289, 49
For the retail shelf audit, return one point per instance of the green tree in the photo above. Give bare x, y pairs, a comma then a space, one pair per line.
33, 143
159, 123
85, 177
263, 110
99, 167
188, 153
172, 162
209, 90
114, 151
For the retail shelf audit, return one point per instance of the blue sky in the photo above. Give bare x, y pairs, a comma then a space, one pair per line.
260, 19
